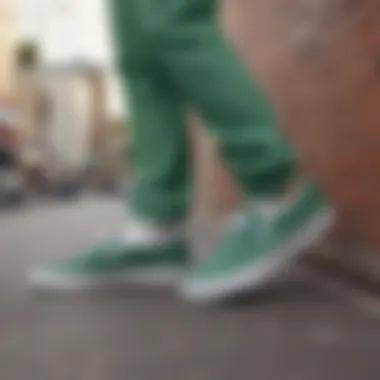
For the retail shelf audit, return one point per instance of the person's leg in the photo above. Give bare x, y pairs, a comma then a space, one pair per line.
152, 247
211, 76
160, 155
214, 79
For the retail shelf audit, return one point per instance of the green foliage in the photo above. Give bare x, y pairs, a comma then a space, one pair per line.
28, 55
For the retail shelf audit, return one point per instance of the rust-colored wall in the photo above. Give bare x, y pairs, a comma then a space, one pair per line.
320, 61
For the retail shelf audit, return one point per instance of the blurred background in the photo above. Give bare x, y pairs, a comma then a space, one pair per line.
64, 142
61, 120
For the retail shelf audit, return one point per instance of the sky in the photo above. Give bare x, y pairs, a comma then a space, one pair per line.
65, 28
68, 30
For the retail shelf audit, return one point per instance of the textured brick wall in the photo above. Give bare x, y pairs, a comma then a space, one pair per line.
320, 61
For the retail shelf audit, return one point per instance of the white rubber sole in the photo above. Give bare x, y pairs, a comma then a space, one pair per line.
253, 277
45, 280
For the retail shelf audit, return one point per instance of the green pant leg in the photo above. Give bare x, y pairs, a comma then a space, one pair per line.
160, 154
214, 79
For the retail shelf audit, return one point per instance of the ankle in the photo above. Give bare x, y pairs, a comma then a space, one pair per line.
145, 232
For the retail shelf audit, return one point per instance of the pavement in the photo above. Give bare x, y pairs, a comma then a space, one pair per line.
299, 329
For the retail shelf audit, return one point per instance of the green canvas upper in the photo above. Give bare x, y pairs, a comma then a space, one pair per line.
114, 255
261, 235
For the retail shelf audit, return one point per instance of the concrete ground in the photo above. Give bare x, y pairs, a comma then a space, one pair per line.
298, 330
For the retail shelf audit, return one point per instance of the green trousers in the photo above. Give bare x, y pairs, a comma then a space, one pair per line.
171, 54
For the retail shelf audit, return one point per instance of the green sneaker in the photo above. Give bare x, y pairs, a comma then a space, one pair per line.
113, 262
255, 251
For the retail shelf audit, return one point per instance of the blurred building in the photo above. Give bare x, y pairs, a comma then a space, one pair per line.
65, 122
7, 48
